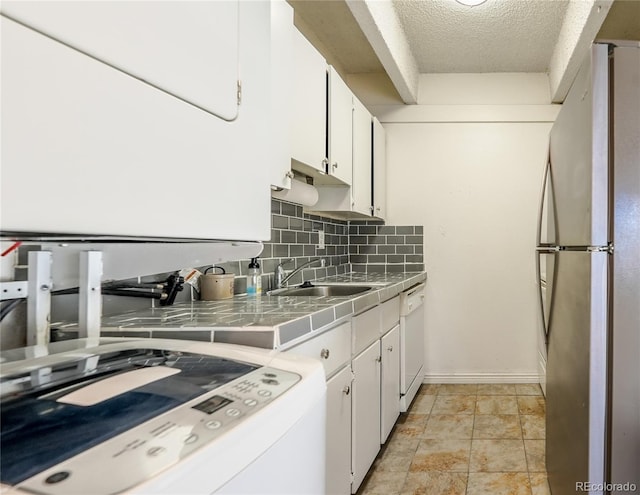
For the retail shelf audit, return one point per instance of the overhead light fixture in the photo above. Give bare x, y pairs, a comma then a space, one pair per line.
471, 3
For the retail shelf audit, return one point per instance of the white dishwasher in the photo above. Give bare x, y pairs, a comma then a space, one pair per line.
150, 416
411, 344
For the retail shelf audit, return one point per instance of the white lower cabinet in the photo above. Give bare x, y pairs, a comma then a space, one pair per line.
362, 365
338, 478
390, 382
333, 349
365, 432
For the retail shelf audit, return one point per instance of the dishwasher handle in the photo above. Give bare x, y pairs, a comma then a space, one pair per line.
411, 299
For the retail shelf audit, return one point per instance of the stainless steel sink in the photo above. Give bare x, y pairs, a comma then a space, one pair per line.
321, 290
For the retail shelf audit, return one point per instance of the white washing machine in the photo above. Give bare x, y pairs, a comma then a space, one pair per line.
160, 417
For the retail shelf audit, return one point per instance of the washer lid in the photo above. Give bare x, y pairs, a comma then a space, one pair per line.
54, 413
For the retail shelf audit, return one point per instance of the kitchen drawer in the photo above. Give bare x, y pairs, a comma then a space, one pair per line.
390, 313
366, 329
332, 348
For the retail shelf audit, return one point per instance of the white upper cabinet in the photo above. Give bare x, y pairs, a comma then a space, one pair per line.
354, 201
379, 170
102, 152
308, 107
282, 37
361, 184
340, 144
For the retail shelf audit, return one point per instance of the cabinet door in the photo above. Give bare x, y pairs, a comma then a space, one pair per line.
390, 387
366, 412
379, 170
361, 183
282, 32
188, 49
340, 129
108, 155
308, 106
339, 433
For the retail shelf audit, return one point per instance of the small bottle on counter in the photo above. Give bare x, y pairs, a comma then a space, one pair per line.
254, 279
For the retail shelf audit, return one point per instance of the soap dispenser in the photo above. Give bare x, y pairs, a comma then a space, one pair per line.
254, 279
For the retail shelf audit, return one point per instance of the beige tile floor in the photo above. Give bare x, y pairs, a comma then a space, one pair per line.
465, 440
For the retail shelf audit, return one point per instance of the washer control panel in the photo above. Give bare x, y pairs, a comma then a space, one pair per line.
136, 455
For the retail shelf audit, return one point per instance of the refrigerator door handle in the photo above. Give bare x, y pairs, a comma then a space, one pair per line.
550, 249
543, 198
540, 253
549, 286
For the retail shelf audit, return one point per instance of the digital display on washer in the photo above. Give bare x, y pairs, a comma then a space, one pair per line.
212, 404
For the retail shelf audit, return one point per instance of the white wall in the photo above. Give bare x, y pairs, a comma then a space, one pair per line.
474, 185
508, 88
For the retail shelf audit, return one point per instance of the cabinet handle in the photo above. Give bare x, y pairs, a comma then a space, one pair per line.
378, 208
289, 175
335, 165
346, 390
379, 359
324, 353
390, 348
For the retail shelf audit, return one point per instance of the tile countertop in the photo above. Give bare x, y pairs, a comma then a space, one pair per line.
272, 322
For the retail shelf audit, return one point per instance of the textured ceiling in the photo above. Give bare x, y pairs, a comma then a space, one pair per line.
444, 36
496, 36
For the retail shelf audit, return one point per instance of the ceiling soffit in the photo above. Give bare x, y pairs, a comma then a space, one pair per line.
336, 29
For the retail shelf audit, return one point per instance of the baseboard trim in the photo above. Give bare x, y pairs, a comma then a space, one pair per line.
481, 378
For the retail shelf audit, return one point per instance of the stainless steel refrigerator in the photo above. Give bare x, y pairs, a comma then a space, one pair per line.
591, 250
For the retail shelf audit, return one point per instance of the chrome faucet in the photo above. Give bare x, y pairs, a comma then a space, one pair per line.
281, 279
